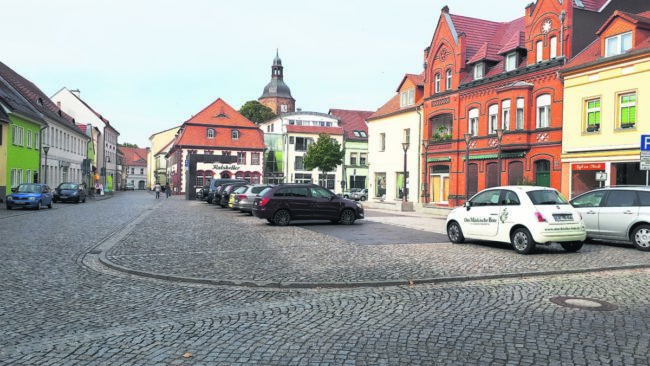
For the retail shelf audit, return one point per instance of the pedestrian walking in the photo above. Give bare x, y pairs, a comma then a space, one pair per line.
168, 190
157, 189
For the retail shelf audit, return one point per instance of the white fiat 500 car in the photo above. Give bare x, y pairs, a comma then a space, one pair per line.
522, 215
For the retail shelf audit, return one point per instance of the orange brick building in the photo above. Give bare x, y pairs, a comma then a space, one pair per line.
488, 79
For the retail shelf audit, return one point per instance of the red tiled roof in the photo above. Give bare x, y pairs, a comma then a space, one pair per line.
480, 33
196, 136
516, 41
315, 129
351, 121
134, 156
591, 5
641, 20
417, 80
219, 113
593, 52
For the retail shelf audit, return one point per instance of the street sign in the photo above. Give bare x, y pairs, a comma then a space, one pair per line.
601, 176
645, 153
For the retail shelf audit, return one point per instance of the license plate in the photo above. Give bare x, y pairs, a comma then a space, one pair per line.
563, 217
20, 202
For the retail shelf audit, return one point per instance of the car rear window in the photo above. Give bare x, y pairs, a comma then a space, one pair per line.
259, 189
68, 186
264, 191
546, 197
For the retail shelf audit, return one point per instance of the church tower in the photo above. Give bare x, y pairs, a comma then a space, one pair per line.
277, 95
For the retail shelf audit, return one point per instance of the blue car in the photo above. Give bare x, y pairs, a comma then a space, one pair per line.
30, 195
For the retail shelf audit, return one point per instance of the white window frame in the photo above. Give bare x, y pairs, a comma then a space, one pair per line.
543, 111
618, 44
210, 133
29, 139
436, 83
592, 110
627, 105
479, 71
511, 61
363, 159
234, 134
493, 119
505, 114
539, 51
553, 46
353, 159
472, 121
520, 117
448, 80
17, 136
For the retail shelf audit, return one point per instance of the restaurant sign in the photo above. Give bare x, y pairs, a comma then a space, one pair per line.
588, 166
226, 167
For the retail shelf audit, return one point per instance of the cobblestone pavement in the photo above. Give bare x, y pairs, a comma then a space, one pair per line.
62, 305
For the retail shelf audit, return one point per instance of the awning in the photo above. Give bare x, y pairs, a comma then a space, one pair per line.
439, 159
504, 155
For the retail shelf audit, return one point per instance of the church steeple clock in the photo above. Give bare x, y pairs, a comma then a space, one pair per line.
276, 94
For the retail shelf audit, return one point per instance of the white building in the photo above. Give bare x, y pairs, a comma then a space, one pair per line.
287, 138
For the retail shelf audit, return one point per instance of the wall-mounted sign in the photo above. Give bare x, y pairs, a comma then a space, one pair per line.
588, 166
601, 176
226, 167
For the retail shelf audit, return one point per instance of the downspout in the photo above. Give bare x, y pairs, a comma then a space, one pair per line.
562, 17
421, 129
40, 151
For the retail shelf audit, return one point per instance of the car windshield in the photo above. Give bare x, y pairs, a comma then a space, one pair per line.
68, 186
29, 188
546, 197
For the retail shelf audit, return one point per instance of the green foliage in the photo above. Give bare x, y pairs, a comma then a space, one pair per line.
126, 144
256, 111
326, 154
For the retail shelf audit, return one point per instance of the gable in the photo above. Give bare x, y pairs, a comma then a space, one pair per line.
219, 113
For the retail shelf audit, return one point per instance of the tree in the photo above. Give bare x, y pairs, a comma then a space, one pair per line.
256, 111
326, 154
126, 144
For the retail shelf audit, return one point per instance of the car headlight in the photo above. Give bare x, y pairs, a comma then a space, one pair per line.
9, 197
359, 205
32, 198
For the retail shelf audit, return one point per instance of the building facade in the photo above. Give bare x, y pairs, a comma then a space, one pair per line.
160, 143
606, 88
288, 138
394, 124
134, 164
355, 143
218, 142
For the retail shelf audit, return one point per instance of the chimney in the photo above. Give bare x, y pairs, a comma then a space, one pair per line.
58, 104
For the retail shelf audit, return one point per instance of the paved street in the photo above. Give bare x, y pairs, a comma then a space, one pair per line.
131, 280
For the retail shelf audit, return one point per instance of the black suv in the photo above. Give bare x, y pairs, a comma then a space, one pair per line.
294, 201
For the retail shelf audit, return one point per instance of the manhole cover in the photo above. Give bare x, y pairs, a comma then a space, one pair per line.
583, 303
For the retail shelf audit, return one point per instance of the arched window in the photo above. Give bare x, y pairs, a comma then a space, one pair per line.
472, 124
493, 117
437, 83
210, 133
235, 134
448, 80
543, 111
239, 175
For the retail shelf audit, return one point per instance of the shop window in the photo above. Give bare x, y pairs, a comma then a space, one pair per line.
627, 110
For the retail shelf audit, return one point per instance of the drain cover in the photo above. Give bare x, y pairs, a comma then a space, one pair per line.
583, 303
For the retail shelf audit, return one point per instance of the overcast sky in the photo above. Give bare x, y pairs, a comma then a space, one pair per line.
148, 65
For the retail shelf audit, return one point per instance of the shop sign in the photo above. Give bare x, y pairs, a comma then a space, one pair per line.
226, 167
588, 166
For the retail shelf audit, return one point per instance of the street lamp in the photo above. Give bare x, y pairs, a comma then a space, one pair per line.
405, 204
468, 138
499, 137
46, 149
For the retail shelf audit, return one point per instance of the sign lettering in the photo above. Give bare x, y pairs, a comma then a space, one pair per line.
226, 167
588, 166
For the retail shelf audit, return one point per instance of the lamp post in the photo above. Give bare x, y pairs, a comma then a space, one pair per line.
468, 138
46, 149
406, 206
499, 137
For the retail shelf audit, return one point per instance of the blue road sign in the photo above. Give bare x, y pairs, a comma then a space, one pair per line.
645, 142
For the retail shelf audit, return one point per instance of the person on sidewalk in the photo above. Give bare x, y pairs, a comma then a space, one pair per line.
168, 190
157, 188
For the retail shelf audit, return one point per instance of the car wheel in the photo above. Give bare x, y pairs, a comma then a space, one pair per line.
282, 218
78, 200
522, 241
455, 233
49, 205
572, 246
8, 207
38, 205
641, 238
363, 198
347, 217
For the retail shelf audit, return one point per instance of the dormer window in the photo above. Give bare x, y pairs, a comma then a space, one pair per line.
511, 61
437, 83
407, 98
210, 133
478, 71
235, 134
618, 44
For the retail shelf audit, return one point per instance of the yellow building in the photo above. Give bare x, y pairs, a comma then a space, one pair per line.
156, 162
606, 99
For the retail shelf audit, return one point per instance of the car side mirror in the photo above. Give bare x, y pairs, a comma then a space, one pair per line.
14, 190
467, 205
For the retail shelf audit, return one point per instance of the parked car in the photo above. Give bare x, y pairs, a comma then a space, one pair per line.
617, 213
244, 200
30, 195
348, 194
225, 193
69, 192
361, 195
522, 215
233, 202
202, 193
283, 203
214, 193
129, 187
